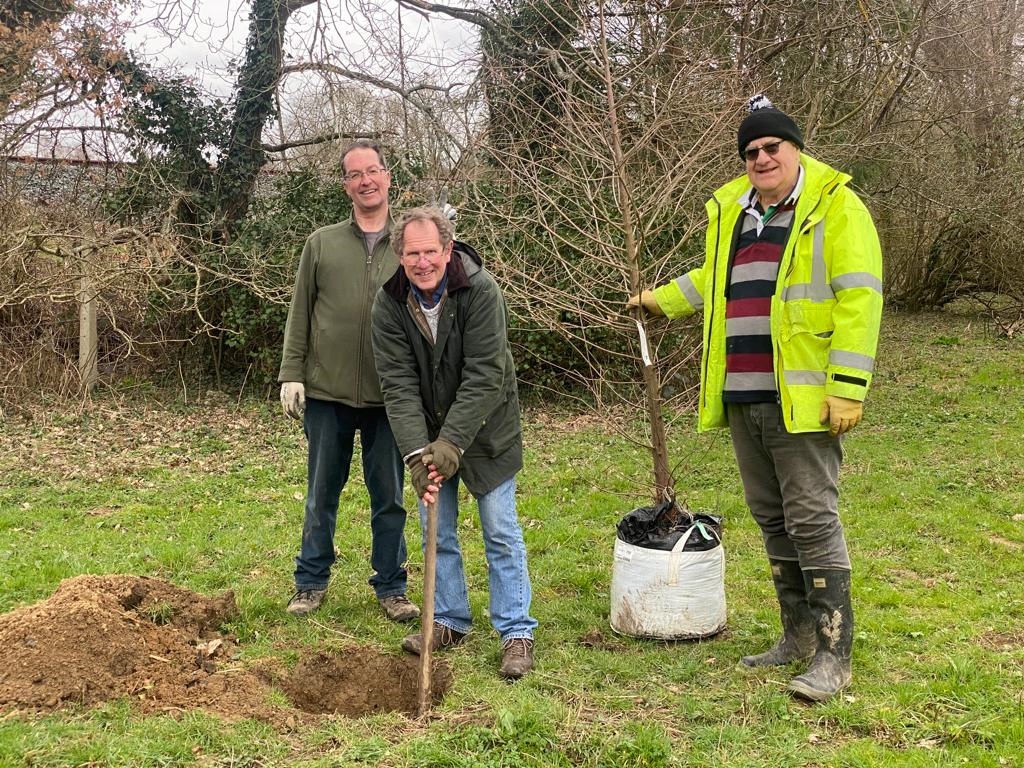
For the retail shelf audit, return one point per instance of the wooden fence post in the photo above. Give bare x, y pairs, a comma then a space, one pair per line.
88, 342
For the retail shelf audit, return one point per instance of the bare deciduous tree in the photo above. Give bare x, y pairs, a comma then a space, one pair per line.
591, 187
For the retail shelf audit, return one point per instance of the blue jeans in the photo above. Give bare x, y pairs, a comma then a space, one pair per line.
508, 579
330, 430
791, 484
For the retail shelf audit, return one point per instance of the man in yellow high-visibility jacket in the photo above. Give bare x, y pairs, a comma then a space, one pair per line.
791, 290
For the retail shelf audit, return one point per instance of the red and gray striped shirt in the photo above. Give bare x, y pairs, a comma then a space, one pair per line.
749, 365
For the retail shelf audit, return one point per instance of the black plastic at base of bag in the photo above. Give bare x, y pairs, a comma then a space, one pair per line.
661, 526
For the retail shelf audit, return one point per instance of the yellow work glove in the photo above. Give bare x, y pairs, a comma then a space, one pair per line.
841, 414
646, 300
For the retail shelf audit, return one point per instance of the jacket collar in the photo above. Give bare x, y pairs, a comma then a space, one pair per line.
817, 176
351, 221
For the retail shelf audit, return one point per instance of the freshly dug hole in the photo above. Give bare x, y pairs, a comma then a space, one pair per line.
360, 681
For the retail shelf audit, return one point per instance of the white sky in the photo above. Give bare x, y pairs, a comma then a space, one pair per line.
201, 42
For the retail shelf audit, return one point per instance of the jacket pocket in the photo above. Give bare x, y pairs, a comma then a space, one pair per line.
806, 317
313, 372
500, 430
806, 338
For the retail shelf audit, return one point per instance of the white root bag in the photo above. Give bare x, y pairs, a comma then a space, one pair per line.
668, 595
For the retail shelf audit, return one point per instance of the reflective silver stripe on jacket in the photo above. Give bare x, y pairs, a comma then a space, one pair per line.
685, 284
816, 378
819, 289
856, 280
851, 360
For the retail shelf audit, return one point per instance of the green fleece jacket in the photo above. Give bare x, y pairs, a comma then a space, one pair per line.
327, 337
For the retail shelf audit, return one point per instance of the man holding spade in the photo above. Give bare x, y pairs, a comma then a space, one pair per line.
439, 330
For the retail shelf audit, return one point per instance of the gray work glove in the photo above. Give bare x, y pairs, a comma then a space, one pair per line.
419, 474
450, 212
293, 398
443, 454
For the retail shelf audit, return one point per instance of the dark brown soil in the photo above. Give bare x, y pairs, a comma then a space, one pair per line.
99, 638
361, 681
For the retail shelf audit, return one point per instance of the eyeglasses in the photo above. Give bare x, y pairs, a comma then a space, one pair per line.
772, 149
431, 255
370, 173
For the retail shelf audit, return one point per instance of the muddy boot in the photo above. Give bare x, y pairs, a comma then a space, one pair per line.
798, 640
828, 595
441, 638
516, 657
305, 601
399, 608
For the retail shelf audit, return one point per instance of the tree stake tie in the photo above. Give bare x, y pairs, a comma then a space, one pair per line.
645, 351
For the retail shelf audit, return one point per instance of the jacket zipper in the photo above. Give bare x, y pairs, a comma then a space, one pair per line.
789, 269
367, 299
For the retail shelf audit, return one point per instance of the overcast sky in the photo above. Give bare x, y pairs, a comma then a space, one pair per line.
197, 42
200, 37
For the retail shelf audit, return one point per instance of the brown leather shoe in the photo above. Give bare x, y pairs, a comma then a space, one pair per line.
399, 608
305, 601
443, 637
516, 658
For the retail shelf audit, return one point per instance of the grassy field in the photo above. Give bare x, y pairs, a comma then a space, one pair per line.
208, 495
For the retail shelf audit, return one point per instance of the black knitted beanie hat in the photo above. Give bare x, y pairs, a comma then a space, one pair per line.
765, 120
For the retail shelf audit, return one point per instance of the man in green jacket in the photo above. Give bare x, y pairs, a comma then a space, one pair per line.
328, 379
791, 291
449, 383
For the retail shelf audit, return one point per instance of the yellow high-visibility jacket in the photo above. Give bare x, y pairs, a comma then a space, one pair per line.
827, 306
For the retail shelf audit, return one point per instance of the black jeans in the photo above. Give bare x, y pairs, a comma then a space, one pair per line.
330, 430
790, 482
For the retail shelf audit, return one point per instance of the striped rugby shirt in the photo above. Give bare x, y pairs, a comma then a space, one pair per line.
749, 360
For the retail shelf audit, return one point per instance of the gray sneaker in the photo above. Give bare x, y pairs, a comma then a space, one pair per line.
305, 601
399, 608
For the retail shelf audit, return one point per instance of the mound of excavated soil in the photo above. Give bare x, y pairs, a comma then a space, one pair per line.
99, 638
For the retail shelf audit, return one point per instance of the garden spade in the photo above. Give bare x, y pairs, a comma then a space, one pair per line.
427, 622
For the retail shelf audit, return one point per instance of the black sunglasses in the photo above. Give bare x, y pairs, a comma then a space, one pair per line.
771, 148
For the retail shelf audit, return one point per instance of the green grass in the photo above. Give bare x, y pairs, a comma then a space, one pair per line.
209, 497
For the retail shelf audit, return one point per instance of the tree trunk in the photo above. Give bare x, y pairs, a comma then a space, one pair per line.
652, 386
254, 106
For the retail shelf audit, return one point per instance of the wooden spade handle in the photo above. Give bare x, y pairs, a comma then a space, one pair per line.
427, 621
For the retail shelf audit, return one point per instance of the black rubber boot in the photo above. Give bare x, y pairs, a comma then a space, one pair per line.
798, 640
828, 595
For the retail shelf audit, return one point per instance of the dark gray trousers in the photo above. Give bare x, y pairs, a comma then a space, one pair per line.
790, 482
